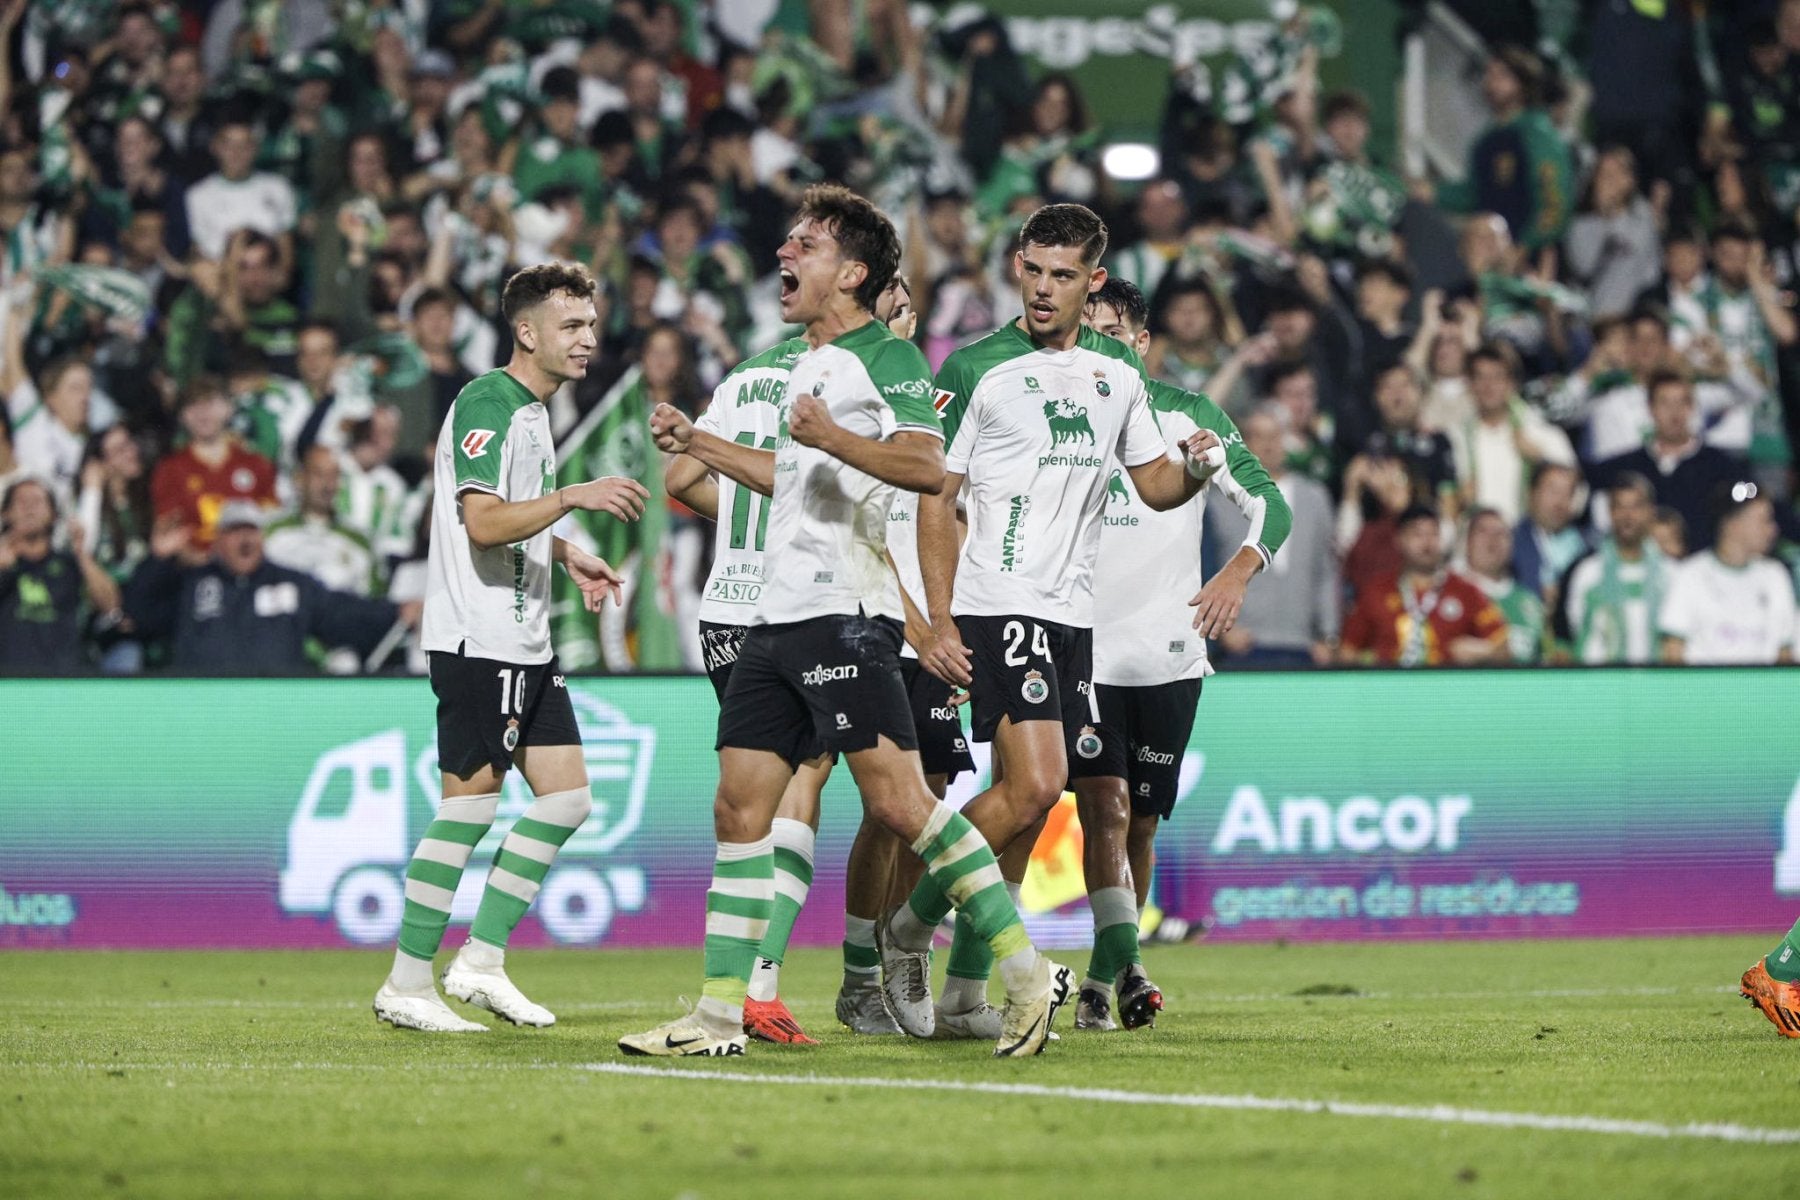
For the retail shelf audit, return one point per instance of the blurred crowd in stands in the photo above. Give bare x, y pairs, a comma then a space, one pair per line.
1544, 411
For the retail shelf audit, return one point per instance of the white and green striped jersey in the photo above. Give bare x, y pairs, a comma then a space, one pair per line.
745, 408
339, 558
1037, 433
492, 603
903, 548
828, 521
1149, 565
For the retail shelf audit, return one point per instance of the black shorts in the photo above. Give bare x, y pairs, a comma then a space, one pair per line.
1141, 736
943, 748
719, 649
1028, 670
488, 709
826, 684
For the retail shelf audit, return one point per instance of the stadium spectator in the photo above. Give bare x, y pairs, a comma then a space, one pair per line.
1732, 603
1290, 614
374, 501
1449, 331
1614, 245
238, 196
1488, 557
1162, 215
1547, 541
1383, 289
1193, 333
1427, 455
45, 592
1498, 448
1686, 473
191, 485
1748, 320
50, 429
1610, 598
1423, 615
311, 539
236, 613
240, 301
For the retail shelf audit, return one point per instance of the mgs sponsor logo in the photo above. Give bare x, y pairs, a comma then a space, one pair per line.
1012, 550
917, 388
1088, 743
823, 674
1155, 757
1068, 422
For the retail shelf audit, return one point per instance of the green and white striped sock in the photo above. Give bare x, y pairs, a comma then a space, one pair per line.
861, 959
737, 919
431, 878
524, 859
1115, 935
963, 869
793, 843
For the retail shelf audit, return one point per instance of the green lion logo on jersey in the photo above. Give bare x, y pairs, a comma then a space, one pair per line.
1068, 422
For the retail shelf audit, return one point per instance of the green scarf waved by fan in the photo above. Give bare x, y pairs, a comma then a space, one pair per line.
614, 439
115, 292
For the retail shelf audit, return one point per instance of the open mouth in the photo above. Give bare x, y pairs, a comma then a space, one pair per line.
790, 284
1043, 312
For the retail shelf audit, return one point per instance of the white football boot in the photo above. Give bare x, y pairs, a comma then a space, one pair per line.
489, 988
424, 1011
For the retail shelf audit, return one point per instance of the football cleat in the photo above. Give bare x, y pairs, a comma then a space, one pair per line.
1093, 1010
906, 983
981, 1023
861, 1009
1780, 1002
1025, 1022
1139, 999
489, 988
686, 1035
425, 1012
770, 1021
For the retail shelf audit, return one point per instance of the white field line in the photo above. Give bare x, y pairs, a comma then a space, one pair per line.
1441, 1114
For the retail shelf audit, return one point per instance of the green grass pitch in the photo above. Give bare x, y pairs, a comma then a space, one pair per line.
265, 1075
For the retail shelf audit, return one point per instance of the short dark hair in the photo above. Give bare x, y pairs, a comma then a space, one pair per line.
1396, 272
1632, 481
203, 387
561, 83
1125, 298
531, 287
1650, 312
724, 123
863, 233
1415, 511
319, 325
1733, 497
1494, 353
1289, 298
1541, 471
1733, 231
1346, 103
12, 489
433, 295
1066, 225
1665, 378
1281, 372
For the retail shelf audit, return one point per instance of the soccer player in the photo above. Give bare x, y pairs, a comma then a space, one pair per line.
1036, 415
820, 666
501, 697
1149, 661
746, 410
1773, 984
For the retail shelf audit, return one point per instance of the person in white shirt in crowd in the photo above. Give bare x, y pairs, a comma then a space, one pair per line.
1610, 597
1497, 450
312, 540
238, 196
1732, 603
373, 500
50, 428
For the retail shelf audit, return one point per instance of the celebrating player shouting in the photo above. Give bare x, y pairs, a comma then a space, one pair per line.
500, 694
820, 666
1036, 415
1148, 664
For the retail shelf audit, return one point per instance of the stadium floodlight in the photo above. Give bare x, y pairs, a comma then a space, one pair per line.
1131, 161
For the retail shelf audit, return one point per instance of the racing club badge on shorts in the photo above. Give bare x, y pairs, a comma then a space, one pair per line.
1034, 689
1088, 743
510, 739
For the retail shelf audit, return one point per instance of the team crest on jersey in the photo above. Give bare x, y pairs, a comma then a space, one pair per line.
510, 739
1034, 689
1088, 743
940, 400
1100, 384
474, 443
243, 479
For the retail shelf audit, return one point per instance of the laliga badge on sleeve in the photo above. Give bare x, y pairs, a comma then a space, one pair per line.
1034, 688
1088, 744
511, 738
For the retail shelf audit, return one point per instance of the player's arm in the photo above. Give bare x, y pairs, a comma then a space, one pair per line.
687, 479
675, 434
1248, 486
1163, 482
911, 459
491, 521
946, 657
915, 629
590, 572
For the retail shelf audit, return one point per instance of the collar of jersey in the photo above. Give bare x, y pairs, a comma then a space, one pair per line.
874, 331
525, 396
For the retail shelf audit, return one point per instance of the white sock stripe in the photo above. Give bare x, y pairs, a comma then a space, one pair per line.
969, 843
470, 810
793, 835
744, 929
791, 887
977, 880
567, 809
859, 931
449, 854
429, 894
739, 851
1113, 906
530, 847
934, 825
513, 885
743, 889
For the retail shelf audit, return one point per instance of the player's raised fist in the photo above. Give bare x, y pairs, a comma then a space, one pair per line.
671, 429
809, 421
623, 498
1204, 452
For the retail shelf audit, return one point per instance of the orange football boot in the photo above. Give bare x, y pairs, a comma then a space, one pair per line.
1780, 1002
770, 1021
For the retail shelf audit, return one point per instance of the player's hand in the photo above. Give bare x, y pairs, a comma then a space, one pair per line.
1205, 453
623, 498
671, 429
1217, 605
946, 657
809, 422
596, 580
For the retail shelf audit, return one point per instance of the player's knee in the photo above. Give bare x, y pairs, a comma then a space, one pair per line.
568, 809
1034, 792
